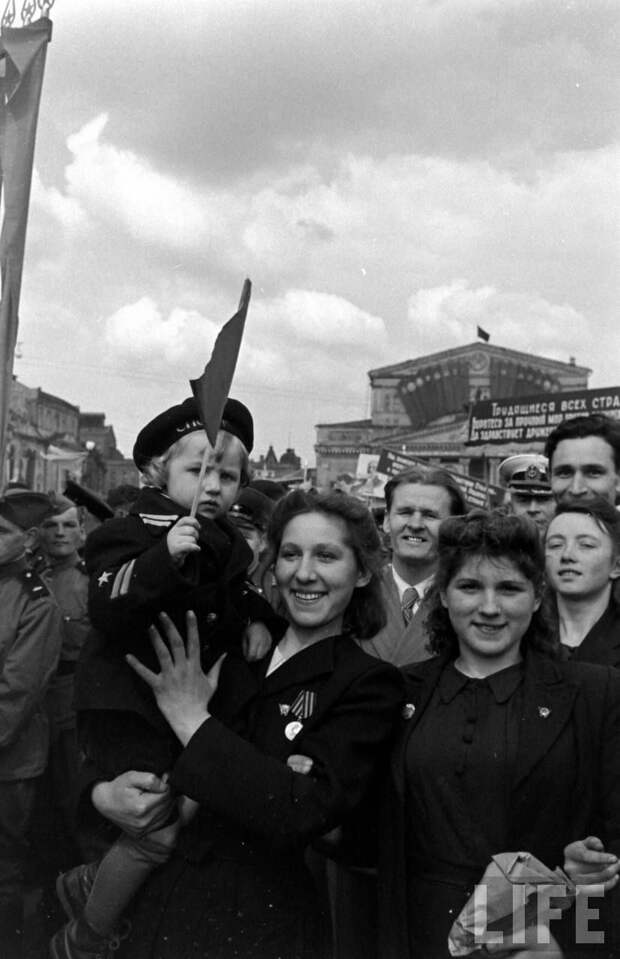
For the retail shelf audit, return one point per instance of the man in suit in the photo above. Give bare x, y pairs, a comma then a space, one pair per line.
417, 501
584, 458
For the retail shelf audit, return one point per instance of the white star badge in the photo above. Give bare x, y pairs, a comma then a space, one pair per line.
103, 578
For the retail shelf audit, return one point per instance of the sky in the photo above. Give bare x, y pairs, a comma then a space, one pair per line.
389, 174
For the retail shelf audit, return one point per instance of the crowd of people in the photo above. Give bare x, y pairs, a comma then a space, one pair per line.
238, 722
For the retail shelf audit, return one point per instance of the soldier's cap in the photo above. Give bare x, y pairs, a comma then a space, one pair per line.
526, 473
168, 427
24, 508
81, 496
252, 508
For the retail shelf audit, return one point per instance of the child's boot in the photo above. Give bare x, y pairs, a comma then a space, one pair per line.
73, 888
78, 940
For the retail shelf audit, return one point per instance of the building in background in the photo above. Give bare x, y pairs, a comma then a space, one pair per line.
421, 407
288, 470
50, 440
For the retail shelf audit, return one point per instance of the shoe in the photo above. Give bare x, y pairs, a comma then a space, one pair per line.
73, 888
78, 940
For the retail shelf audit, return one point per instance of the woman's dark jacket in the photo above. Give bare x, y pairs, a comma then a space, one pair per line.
331, 702
563, 703
602, 643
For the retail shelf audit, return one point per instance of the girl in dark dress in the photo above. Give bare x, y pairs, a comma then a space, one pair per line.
504, 749
237, 885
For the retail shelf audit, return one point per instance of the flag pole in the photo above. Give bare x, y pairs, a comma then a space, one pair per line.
211, 389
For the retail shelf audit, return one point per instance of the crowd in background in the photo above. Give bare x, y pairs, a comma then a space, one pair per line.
242, 721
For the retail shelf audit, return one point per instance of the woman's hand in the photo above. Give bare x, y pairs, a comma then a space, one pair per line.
136, 802
182, 690
257, 642
587, 863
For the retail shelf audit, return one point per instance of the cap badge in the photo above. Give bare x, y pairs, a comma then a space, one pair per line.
532, 472
408, 710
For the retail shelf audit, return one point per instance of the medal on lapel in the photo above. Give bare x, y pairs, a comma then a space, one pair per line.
301, 708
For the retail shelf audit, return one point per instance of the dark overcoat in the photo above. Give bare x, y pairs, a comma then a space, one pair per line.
133, 578
566, 706
602, 643
237, 885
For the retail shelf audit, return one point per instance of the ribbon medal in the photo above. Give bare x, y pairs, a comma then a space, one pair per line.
301, 708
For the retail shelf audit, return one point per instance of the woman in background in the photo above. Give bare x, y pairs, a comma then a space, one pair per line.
582, 553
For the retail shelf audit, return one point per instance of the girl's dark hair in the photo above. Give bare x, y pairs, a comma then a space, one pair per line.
602, 512
491, 535
365, 614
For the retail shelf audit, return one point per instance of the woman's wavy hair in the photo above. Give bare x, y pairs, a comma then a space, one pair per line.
492, 535
365, 614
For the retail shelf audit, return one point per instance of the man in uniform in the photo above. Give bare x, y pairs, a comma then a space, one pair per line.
584, 458
416, 503
29, 647
61, 536
526, 478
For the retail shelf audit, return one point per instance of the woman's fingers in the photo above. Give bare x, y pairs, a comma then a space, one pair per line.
177, 647
214, 673
193, 639
143, 672
300, 764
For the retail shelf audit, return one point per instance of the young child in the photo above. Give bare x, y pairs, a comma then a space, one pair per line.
156, 559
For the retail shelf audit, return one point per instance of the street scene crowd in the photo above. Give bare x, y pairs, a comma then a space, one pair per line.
241, 721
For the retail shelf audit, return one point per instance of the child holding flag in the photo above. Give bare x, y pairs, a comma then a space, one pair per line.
158, 559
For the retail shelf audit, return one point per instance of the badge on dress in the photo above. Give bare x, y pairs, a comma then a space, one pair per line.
293, 729
544, 711
408, 710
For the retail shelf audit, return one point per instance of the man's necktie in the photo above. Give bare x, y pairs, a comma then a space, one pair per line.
410, 598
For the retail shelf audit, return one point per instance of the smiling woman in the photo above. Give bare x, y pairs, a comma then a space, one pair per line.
501, 735
238, 884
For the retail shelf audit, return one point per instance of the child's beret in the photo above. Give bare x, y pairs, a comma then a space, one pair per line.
168, 427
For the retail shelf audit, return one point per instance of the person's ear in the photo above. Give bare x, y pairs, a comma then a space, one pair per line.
386, 522
615, 569
537, 601
442, 597
363, 579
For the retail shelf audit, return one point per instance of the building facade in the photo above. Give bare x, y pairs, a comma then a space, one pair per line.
421, 407
49, 441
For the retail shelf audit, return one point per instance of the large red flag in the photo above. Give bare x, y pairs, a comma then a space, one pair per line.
24, 51
211, 389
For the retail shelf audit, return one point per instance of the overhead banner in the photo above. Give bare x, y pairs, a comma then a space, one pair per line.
24, 50
531, 418
477, 493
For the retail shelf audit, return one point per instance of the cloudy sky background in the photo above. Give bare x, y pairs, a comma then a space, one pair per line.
389, 174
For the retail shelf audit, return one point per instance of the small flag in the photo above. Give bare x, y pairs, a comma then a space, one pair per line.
211, 389
483, 335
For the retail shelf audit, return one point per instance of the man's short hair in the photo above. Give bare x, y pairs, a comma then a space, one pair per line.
428, 476
579, 427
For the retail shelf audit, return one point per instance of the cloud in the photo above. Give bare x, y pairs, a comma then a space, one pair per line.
521, 321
